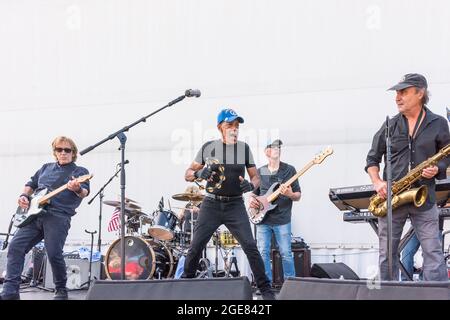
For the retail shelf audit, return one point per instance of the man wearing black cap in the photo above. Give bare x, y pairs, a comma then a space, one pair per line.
225, 205
278, 220
416, 135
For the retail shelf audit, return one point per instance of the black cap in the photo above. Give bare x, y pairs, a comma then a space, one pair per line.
275, 143
411, 80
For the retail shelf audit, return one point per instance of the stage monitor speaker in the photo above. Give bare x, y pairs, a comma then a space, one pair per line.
172, 289
77, 273
302, 264
333, 289
333, 271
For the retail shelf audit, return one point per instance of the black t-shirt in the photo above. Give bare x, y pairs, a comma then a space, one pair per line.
234, 157
283, 211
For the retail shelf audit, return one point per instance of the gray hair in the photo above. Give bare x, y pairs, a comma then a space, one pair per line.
426, 95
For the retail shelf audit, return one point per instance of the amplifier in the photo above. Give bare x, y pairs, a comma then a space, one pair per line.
302, 263
77, 273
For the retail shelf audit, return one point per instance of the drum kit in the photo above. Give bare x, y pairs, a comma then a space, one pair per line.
154, 243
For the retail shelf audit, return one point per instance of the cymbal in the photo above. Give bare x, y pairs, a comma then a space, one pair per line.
130, 200
188, 197
128, 206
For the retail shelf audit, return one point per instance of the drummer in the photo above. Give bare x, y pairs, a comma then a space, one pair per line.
191, 210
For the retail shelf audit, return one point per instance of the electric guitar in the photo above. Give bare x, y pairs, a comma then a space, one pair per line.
265, 201
38, 202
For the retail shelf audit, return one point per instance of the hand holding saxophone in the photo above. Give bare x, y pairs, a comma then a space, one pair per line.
430, 172
381, 188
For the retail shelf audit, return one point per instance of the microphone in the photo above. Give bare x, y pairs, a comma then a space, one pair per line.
192, 93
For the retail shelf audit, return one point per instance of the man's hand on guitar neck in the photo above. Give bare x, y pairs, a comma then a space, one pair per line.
286, 190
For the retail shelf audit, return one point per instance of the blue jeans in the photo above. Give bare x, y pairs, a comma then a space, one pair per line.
53, 229
408, 253
283, 237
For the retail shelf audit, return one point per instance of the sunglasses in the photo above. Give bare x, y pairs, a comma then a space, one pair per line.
66, 150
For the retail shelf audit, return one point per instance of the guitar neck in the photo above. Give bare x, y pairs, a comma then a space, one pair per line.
275, 195
49, 195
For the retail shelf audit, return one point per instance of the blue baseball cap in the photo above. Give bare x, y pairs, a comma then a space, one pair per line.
228, 115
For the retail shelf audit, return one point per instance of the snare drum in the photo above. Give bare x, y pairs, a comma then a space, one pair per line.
144, 259
164, 225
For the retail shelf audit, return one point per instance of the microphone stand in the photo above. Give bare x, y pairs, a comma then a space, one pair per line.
101, 195
122, 138
389, 199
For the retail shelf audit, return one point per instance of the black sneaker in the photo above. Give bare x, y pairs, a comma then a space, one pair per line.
61, 294
11, 296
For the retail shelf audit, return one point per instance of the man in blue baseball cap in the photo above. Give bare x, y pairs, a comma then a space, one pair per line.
223, 202
228, 115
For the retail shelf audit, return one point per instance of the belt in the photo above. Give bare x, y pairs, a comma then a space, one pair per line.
222, 198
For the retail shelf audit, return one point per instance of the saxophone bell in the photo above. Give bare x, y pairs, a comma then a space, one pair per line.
416, 196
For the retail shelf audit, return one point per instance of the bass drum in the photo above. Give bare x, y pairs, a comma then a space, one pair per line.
144, 259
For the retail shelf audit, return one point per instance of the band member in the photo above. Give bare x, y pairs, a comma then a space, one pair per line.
225, 205
278, 220
190, 212
416, 135
54, 224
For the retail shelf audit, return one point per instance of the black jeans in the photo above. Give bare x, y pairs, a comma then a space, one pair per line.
53, 229
233, 215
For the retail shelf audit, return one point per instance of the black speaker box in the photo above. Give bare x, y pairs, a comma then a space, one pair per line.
172, 289
333, 271
333, 289
302, 263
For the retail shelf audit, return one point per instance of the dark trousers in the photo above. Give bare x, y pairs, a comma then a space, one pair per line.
53, 229
233, 215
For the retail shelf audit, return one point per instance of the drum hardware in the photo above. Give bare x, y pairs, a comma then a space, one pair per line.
88, 282
229, 259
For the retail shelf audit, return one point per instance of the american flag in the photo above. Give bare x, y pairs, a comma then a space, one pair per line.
114, 222
161, 204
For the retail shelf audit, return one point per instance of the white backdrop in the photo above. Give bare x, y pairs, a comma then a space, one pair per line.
313, 73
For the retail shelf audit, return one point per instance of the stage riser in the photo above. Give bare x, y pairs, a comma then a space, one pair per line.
331, 289
180, 289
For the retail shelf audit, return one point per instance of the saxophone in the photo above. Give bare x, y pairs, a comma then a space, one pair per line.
401, 190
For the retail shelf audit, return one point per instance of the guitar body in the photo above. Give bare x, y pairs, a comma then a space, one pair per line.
25, 216
257, 215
